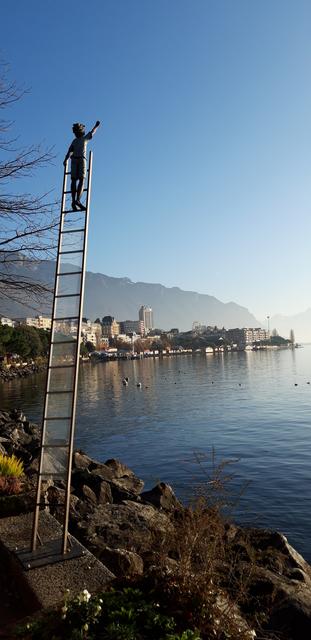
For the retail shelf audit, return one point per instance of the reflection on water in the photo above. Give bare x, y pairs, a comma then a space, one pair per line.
244, 405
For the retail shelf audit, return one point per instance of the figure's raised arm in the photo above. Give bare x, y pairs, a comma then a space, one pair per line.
96, 125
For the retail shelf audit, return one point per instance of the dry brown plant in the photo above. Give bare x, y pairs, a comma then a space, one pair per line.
201, 573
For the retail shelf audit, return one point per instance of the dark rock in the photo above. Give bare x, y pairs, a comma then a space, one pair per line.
79, 477
126, 488
291, 616
162, 496
119, 494
88, 494
16, 504
101, 471
129, 525
95, 481
104, 495
18, 415
80, 460
118, 468
11, 373
121, 562
298, 574
4, 417
18, 436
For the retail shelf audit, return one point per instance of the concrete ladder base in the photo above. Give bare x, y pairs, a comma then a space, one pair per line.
44, 586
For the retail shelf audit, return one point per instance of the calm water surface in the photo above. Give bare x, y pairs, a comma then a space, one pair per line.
244, 405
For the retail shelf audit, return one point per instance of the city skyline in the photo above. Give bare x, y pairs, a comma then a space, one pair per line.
201, 166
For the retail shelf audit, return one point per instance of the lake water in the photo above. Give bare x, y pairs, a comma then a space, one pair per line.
243, 405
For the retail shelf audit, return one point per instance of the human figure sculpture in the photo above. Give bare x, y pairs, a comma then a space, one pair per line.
77, 155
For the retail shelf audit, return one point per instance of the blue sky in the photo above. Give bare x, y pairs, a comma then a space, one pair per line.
202, 165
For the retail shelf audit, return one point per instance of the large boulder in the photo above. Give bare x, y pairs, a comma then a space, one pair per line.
129, 525
121, 562
80, 460
279, 581
19, 436
161, 496
105, 480
118, 469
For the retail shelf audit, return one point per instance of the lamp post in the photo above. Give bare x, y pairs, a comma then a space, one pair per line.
268, 318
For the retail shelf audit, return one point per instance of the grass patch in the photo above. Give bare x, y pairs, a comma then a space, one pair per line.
10, 466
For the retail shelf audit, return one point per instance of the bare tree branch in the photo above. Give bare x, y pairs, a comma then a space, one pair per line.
28, 222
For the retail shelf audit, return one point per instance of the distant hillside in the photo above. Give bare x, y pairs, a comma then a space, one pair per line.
122, 298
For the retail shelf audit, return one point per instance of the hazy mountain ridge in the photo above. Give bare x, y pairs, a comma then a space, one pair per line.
120, 297
173, 307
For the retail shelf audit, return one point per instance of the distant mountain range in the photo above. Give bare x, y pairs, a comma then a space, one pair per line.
172, 307
120, 297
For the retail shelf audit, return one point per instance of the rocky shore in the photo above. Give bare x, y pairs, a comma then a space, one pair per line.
254, 575
7, 374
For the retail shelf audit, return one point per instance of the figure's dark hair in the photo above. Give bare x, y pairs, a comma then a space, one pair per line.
78, 129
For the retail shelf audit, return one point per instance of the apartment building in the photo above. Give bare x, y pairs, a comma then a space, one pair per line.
39, 322
7, 321
247, 335
132, 326
110, 327
145, 314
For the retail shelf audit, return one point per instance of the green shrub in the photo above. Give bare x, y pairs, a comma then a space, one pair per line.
114, 615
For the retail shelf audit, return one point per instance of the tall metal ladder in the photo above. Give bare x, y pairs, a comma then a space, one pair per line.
63, 366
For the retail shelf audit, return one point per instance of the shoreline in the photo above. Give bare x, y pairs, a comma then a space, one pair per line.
138, 534
13, 372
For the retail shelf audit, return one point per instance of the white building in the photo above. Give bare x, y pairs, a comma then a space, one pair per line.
247, 335
91, 332
7, 321
39, 322
132, 326
145, 315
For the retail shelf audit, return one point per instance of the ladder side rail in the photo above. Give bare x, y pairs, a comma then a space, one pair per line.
35, 525
75, 385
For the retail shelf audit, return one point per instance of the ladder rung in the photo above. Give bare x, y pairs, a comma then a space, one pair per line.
69, 273
67, 391
59, 418
61, 366
53, 473
68, 295
73, 230
61, 253
73, 211
48, 505
54, 446
64, 342
70, 191
66, 318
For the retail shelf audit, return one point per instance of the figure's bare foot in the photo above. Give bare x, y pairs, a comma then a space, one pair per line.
80, 205
73, 206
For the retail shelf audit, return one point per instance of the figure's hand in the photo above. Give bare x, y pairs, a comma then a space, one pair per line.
97, 123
